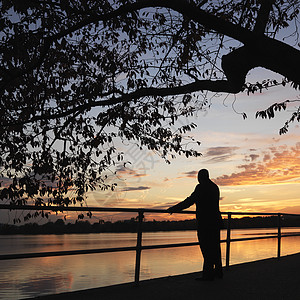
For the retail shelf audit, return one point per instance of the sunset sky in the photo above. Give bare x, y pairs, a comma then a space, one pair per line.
256, 169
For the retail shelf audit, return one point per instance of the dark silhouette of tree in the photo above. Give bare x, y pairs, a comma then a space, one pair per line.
77, 77
148, 226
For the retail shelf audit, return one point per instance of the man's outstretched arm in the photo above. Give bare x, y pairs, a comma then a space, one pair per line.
181, 205
184, 204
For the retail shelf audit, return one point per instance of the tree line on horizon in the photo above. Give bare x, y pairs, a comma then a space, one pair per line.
60, 227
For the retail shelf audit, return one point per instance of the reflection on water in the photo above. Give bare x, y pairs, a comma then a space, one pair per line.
25, 278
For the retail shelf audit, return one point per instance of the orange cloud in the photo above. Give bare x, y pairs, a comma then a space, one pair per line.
279, 165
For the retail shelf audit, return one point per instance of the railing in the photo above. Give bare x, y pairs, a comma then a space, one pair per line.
139, 247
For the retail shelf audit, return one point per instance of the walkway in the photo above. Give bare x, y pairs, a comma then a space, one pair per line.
269, 279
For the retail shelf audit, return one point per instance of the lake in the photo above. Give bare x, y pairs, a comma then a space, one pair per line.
24, 278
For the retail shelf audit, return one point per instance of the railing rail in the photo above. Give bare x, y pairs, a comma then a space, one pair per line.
139, 247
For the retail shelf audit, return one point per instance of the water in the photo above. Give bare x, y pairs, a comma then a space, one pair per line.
24, 278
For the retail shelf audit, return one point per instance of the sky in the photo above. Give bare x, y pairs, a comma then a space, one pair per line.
256, 169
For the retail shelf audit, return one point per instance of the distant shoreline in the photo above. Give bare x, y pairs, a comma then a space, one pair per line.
127, 226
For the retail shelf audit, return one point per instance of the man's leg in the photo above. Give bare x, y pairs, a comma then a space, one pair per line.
205, 242
218, 257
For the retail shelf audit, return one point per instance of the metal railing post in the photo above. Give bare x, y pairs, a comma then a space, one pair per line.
138, 248
279, 236
228, 240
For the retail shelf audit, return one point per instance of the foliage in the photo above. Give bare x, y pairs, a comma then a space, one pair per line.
270, 113
79, 78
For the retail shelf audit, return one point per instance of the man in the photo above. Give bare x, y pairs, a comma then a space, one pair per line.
206, 197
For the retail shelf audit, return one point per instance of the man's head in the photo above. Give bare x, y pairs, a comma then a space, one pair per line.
203, 175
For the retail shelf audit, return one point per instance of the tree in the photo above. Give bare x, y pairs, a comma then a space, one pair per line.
78, 77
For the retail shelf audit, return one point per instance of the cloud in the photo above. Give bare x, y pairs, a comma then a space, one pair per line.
219, 154
190, 174
279, 165
215, 151
121, 170
138, 188
253, 157
267, 157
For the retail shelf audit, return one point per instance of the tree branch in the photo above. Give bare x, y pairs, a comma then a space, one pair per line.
257, 43
214, 86
263, 16
182, 6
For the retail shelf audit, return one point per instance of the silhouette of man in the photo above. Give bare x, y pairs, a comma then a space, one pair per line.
206, 197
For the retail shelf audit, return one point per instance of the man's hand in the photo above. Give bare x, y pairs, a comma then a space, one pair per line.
170, 210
